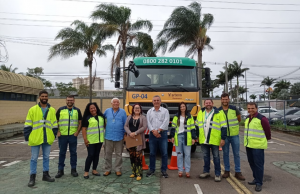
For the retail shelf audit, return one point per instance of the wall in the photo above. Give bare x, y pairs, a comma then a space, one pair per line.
14, 111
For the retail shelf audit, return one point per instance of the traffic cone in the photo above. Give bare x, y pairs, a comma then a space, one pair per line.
173, 163
220, 148
145, 166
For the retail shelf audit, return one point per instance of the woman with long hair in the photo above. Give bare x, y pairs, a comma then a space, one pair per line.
183, 134
136, 124
93, 135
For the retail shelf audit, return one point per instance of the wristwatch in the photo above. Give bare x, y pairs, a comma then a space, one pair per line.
158, 131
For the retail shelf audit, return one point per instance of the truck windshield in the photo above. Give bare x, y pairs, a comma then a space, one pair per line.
164, 78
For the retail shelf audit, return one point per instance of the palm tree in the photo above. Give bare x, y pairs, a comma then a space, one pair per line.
282, 84
263, 96
267, 82
81, 38
230, 76
117, 21
242, 91
237, 71
8, 68
253, 96
221, 79
187, 27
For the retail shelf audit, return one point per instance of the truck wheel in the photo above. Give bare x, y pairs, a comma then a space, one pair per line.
193, 148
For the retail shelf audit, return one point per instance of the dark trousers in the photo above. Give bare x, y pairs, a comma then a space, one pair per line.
162, 144
216, 158
63, 142
93, 156
136, 158
256, 159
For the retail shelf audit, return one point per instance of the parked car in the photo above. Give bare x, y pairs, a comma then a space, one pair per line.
264, 110
293, 119
277, 116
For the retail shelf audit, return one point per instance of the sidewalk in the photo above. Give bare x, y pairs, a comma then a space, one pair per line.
10, 130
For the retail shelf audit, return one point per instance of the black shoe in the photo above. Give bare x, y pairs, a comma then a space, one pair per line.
86, 177
150, 173
32, 180
47, 177
74, 172
164, 174
252, 182
258, 188
59, 174
96, 174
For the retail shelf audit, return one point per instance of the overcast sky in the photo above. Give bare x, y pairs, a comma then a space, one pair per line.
265, 36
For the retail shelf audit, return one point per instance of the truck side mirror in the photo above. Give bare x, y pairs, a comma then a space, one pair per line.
117, 74
195, 110
117, 84
136, 73
129, 110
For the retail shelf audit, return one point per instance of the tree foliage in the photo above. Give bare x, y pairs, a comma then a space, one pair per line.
83, 91
8, 68
65, 89
295, 89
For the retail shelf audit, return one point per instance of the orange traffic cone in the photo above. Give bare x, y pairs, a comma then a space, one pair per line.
145, 166
220, 148
173, 163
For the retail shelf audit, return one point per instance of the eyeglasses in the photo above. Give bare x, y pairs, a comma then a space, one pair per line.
136, 108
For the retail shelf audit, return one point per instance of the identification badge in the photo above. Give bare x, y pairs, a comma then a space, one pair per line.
113, 120
42, 121
72, 121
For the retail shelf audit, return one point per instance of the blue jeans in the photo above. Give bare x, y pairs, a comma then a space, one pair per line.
180, 150
235, 144
63, 142
256, 159
206, 155
35, 154
162, 143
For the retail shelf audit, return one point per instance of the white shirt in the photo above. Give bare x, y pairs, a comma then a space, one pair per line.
206, 123
158, 119
181, 126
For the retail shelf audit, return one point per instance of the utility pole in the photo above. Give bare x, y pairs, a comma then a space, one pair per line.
226, 77
246, 86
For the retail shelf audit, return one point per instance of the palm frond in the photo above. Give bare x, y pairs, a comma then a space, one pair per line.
139, 24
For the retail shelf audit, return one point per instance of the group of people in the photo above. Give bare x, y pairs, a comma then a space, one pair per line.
213, 127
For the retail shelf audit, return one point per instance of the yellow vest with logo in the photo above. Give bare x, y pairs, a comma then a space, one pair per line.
254, 135
214, 134
64, 120
35, 120
231, 118
188, 127
95, 130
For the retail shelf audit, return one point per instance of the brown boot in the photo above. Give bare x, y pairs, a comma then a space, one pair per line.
226, 174
239, 176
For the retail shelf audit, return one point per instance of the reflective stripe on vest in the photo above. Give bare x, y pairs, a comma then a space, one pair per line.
254, 135
188, 127
64, 122
95, 130
233, 123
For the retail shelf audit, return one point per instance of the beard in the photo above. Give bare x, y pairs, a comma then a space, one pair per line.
208, 107
225, 103
70, 104
44, 101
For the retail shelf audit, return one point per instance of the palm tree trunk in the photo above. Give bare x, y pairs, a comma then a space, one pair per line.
124, 75
90, 68
237, 90
231, 89
200, 67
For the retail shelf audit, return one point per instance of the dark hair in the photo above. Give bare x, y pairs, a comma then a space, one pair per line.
132, 114
209, 99
43, 92
224, 95
87, 113
179, 112
70, 96
252, 103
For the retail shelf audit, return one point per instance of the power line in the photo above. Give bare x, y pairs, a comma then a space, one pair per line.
253, 65
247, 3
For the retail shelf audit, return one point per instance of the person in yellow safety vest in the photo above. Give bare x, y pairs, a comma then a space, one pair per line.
256, 135
93, 124
212, 134
183, 134
233, 117
40, 130
69, 125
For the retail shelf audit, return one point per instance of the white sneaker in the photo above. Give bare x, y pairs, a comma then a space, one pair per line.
218, 178
204, 175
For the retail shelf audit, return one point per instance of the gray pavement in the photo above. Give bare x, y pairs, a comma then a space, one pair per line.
282, 172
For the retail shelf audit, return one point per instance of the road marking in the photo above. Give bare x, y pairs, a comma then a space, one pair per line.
276, 152
286, 141
2, 162
55, 150
276, 143
198, 189
14, 162
51, 158
53, 155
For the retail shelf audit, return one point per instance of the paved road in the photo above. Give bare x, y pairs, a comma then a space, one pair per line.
282, 172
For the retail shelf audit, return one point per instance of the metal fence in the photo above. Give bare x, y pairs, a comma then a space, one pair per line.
281, 113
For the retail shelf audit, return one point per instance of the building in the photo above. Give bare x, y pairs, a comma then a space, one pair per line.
17, 94
97, 85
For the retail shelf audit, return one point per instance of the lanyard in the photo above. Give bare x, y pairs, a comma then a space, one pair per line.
44, 112
206, 116
114, 115
71, 113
